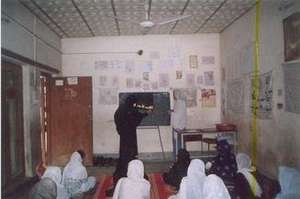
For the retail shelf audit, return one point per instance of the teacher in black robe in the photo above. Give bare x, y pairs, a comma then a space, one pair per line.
127, 117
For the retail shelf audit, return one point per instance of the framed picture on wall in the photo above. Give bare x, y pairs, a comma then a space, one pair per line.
193, 61
291, 29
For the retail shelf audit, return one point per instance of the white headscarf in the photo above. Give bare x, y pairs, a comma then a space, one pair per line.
244, 167
214, 188
179, 114
191, 187
74, 169
134, 186
54, 173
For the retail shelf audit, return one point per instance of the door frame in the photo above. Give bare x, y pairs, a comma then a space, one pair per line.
9, 179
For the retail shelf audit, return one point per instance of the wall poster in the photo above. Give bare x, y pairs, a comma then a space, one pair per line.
208, 97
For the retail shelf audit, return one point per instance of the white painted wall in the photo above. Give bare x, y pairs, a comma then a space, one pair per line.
104, 134
278, 139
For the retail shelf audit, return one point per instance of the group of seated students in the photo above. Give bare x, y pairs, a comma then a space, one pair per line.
224, 168
71, 183
195, 185
192, 179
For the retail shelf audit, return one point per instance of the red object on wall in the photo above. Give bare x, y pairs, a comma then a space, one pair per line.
225, 127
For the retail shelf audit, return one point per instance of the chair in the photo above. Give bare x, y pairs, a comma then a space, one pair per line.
209, 141
192, 138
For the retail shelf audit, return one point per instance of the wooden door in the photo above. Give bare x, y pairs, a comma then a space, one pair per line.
12, 141
70, 117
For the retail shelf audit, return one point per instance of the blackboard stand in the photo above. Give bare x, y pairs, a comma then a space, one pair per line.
159, 135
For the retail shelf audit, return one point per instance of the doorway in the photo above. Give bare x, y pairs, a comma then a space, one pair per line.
44, 115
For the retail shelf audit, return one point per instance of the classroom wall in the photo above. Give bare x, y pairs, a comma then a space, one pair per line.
278, 138
26, 35
166, 54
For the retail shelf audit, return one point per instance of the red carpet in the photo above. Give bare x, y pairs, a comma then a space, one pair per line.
159, 190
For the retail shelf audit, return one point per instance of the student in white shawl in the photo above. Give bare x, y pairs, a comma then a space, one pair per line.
191, 186
246, 185
75, 178
134, 185
214, 188
179, 112
45, 187
289, 180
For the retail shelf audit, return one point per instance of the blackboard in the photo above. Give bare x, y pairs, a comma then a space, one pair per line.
161, 103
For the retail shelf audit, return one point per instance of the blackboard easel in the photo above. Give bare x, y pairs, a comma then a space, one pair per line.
159, 135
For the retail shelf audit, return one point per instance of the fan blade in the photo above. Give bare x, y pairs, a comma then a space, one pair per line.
172, 20
122, 19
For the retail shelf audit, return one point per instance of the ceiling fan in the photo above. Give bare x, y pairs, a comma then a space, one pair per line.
148, 23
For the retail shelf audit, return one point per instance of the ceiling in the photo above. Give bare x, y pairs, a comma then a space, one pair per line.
88, 18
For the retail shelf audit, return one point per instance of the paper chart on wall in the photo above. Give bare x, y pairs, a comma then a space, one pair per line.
190, 80
163, 80
209, 78
235, 96
193, 61
208, 60
178, 74
292, 87
129, 66
147, 66
115, 82
101, 65
208, 98
249, 60
138, 83
108, 96
146, 76
102, 80
129, 83
264, 109
199, 79
146, 86
154, 85
190, 95
116, 65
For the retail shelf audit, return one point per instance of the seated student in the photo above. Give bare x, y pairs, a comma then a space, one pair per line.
178, 169
214, 188
289, 180
75, 178
50, 185
134, 185
191, 186
246, 185
44, 189
224, 164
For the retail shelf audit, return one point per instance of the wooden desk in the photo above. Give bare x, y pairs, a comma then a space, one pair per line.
178, 134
